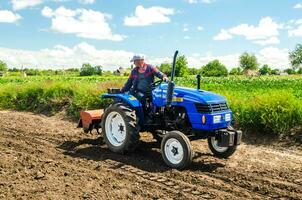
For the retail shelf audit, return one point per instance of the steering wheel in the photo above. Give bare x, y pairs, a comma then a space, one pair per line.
156, 83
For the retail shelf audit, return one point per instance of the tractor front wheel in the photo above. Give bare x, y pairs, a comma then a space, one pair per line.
220, 152
120, 128
176, 150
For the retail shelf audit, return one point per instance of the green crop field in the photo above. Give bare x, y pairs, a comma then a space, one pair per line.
268, 104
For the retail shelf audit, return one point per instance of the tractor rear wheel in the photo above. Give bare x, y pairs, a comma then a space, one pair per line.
176, 150
220, 152
120, 128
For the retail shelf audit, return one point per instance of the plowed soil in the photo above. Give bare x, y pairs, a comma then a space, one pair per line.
48, 158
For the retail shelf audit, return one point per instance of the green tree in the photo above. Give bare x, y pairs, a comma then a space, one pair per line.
32, 72
264, 70
214, 68
12, 69
181, 68
107, 73
275, 72
248, 61
87, 70
193, 71
295, 57
235, 71
98, 70
290, 71
3, 66
165, 68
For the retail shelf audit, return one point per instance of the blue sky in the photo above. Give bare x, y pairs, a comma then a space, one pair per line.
66, 33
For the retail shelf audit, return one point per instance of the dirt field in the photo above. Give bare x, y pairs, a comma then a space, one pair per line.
48, 158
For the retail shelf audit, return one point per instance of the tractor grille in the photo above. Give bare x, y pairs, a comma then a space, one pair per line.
211, 108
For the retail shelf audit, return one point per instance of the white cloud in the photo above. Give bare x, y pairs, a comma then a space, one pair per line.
269, 41
86, 1
228, 60
187, 37
67, 57
299, 21
148, 16
7, 16
62, 56
200, 28
266, 28
207, 1
298, 6
296, 32
192, 1
274, 57
296, 28
265, 33
84, 23
202, 1
21, 4
185, 29
223, 35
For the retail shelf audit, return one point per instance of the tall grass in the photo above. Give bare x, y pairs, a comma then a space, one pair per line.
266, 104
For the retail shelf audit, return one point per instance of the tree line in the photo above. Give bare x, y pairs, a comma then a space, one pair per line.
247, 61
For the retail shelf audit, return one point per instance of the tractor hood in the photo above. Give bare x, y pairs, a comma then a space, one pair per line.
195, 95
198, 95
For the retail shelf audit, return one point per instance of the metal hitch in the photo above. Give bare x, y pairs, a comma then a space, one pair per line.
228, 137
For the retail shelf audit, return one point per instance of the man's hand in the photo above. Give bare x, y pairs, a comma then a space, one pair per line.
165, 78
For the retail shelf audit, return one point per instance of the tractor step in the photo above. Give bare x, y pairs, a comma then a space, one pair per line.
90, 119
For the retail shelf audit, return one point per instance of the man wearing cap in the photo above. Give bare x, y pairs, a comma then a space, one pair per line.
141, 78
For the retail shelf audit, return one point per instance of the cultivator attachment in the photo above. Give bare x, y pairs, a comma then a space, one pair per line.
90, 119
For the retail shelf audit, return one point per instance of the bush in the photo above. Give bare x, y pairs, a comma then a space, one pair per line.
3, 66
274, 113
236, 71
290, 71
265, 70
88, 70
214, 68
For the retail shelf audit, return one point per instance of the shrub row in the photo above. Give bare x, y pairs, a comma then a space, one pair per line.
275, 109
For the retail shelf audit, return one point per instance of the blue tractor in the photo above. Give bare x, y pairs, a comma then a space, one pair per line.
179, 115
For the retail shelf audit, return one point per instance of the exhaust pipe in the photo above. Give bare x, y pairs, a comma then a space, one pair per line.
198, 77
171, 84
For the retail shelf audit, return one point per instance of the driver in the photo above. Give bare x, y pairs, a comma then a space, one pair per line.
141, 78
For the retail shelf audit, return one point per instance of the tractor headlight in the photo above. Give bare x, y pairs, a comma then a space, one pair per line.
203, 119
216, 119
228, 117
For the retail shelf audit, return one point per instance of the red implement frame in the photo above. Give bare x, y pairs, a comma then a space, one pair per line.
90, 119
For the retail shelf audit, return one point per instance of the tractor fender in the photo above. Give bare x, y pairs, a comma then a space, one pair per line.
127, 98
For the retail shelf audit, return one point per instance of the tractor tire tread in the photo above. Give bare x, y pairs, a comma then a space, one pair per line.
132, 128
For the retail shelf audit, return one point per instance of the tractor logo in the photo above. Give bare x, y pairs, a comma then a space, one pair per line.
178, 99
